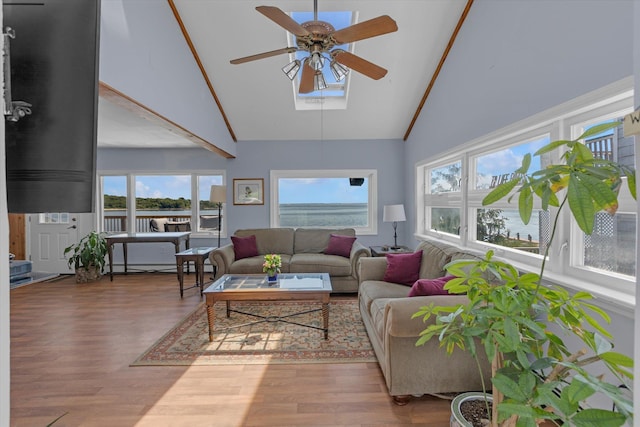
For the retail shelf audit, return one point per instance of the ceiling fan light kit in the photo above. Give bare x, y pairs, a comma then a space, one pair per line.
291, 69
318, 39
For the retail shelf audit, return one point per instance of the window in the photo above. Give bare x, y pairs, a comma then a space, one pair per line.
159, 196
325, 198
612, 245
500, 224
454, 185
114, 203
335, 95
444, 189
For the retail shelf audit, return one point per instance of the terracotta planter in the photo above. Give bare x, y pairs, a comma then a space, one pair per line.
90, 274
457, 420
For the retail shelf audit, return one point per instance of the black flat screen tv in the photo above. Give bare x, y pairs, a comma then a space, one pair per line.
51, 153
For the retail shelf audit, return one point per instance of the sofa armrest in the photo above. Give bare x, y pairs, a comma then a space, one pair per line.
372, 268
398, 313
222, 258
358, 251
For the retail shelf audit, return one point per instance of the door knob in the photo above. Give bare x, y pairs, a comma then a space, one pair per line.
73, 227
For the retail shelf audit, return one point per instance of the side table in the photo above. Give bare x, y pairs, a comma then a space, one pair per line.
383, 250
198, 256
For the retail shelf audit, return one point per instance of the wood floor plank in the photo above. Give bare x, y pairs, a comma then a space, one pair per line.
71, 346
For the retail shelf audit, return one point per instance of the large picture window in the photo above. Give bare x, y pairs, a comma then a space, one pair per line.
324, 198
451, 189
160, 202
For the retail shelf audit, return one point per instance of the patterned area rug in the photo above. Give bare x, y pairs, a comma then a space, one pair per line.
239, 341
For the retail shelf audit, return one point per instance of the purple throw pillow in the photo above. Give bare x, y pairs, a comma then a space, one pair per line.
426, 287
403, 268
340, 245
245, 247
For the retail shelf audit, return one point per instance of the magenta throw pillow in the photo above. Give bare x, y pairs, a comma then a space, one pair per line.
340, 245
426, 287
245, 247
403, 268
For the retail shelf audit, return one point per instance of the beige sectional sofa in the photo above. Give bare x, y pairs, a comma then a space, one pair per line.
386, 311
302, 251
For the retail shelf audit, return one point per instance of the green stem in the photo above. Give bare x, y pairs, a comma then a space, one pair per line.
548, 246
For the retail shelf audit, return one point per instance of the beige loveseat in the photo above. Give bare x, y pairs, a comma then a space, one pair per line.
302, 251
386, 311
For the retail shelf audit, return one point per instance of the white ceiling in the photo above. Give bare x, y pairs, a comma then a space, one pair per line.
257, 97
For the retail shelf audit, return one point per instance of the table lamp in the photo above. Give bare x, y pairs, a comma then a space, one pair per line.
218, 195
394, 214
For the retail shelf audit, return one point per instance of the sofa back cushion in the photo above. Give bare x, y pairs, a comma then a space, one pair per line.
316, 240
270, 240
435, 256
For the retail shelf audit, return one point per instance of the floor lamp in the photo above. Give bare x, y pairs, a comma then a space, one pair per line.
394, 214
219, 196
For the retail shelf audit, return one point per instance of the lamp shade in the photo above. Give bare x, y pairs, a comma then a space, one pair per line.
218, 194
393, 213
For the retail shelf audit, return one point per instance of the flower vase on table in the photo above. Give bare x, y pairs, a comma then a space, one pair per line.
271, 266
272, 276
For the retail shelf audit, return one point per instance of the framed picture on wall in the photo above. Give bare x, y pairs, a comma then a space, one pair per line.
248, 191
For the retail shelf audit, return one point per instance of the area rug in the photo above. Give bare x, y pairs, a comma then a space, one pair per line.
237, 341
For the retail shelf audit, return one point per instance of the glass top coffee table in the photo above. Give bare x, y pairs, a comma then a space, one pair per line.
255, 287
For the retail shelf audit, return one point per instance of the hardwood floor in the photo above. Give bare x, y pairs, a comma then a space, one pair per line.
71, 346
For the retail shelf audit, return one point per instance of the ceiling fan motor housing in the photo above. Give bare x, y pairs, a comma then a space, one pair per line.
319, 39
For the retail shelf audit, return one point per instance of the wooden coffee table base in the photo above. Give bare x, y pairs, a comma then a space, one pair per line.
263, 319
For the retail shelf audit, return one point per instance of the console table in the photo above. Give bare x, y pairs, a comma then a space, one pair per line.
169, 237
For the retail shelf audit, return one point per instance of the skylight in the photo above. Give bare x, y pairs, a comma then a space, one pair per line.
335, 96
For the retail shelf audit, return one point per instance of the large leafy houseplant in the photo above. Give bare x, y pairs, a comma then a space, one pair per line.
513, 315
88, 256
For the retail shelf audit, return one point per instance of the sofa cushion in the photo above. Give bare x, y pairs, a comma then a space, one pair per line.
372, 290
244, 247
340, 245
403, 268
427, 287
435, 255
271, 240
315, 240
320, 263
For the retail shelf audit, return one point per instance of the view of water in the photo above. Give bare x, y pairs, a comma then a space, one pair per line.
323, 215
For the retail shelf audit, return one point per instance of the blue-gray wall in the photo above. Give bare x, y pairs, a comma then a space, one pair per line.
256, 159
513, 59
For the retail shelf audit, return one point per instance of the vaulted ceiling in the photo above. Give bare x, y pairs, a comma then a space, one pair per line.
257, 99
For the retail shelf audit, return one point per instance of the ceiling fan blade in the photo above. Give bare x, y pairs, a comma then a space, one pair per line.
364, 30
282, 19
306, 79
264, 55
360, 65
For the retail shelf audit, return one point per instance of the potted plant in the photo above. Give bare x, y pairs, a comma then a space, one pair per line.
535, 376
271, 265
88, 257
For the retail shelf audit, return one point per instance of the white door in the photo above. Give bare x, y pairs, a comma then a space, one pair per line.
50, 234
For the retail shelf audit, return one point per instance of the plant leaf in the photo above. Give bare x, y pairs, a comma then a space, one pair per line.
500, 192
581, 204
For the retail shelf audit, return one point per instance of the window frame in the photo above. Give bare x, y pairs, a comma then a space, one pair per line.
131, 195
372, 202
561, 122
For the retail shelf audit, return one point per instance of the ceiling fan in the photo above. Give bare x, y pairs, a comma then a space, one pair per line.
318, 38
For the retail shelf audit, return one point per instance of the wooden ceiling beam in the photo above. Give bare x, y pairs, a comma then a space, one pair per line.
452, 39
134, 107
194, 52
